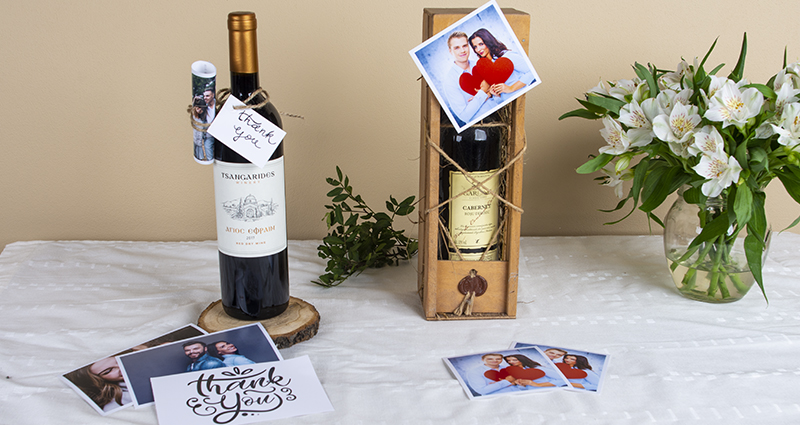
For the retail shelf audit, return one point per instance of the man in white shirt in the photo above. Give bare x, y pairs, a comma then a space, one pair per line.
465, 106
482, 384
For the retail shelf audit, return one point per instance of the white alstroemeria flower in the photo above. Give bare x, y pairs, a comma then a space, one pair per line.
707, 140
601, 88
722, 171
652, 108
623, 88
716, 84
730, 105
615, 178
620, 140
683, 96
789, 125
615, 136
677, 128
641, 128
667, 99
674, 80
789, 74
785, 94
633, 116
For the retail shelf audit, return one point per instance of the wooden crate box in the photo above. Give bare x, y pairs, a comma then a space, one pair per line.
438, 279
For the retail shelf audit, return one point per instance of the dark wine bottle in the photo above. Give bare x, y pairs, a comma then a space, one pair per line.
472, 216
250, 201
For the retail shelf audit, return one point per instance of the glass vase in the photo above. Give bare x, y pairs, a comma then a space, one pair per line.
715, 271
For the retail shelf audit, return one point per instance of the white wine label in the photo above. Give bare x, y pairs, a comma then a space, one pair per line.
251, 210
247, 132
473, 215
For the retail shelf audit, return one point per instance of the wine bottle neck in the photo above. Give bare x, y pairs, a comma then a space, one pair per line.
242, 42
242, 85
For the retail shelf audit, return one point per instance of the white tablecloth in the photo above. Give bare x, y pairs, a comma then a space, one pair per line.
672, 360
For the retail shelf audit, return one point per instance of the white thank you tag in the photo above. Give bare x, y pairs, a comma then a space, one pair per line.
246, 132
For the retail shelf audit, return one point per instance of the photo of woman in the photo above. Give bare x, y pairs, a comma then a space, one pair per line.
487, 47
573, 363
203, 150
527, 373
103, 383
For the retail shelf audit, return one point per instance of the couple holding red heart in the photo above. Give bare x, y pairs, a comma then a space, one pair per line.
475, 87
522, 373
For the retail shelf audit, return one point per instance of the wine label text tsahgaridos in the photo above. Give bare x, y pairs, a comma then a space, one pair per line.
251, 215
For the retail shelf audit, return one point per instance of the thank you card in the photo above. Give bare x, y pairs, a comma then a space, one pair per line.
240, 394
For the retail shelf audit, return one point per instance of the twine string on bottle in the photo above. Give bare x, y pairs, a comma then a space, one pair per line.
223, 95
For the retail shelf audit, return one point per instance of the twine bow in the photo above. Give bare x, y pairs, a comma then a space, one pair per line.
223, 95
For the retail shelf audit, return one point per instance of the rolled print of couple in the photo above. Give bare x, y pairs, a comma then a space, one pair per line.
468, 88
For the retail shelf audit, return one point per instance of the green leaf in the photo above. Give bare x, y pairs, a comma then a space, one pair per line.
340, 198
738, 70
334, 192
757, 225
662, 186
790, 182
743, 205
765, 90
339, 172
646, 75
759, 160
694, 195
754, 250
609, 103
595, 164
705, 58
581, 113
712, 230
716, 69
794, 223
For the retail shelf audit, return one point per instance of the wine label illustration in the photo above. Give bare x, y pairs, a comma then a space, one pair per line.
249, 222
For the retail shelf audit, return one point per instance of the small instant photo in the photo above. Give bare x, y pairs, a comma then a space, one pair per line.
245, 345
517, 371
475, 66
584, 370
101, 383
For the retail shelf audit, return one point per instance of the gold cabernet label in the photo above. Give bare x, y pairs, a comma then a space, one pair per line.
251, 215
474, 215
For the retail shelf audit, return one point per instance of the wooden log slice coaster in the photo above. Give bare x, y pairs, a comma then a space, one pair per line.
300, 322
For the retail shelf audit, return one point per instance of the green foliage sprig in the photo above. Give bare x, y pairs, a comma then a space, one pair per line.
358, 237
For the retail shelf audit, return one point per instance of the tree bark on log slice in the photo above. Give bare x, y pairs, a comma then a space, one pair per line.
300, 322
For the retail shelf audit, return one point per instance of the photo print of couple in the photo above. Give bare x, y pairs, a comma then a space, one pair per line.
475, 66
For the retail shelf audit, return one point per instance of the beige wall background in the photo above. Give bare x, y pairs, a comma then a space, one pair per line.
96, 141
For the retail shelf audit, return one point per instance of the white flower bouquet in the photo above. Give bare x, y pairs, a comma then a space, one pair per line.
712, 136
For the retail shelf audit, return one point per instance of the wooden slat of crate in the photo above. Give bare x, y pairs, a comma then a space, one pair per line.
438, 279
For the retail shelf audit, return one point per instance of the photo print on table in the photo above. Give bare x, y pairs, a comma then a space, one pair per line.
584, 370
240, 346
514, 371
101, 383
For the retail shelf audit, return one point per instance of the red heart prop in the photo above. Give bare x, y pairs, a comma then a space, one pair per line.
496, 375
569, 372
469, 83
493, 72
520, 373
